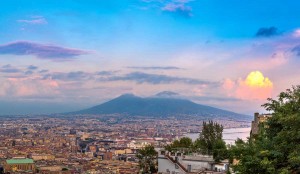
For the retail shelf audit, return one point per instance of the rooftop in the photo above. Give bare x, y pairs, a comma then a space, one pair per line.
19, 161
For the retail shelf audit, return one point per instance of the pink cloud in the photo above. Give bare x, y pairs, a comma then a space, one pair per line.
21, 87
254, 87
228, 84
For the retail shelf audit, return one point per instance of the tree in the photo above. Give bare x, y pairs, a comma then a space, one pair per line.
276, 149
147, 159
219, 151
210, 140
184, 142
211, 132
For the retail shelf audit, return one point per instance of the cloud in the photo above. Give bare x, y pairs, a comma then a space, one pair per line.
180, 8
41, 51
34, 20
69, 76
29, 72
154, 67
228, 84
271, 54
17, 72
43, 71
254, 87
106, 73
140, 77
296, 50
9, 69
212, 98
296, 33
257, 79
267, 32
167, 94
19, 87
32, 67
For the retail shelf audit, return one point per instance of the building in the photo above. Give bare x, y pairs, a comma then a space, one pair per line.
258, 118
106, 155
121, 151
93, 148
54, 168
177, 163
19, 165
37, 157
73, 132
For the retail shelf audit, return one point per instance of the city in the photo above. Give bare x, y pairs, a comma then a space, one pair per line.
149, 87
85, 144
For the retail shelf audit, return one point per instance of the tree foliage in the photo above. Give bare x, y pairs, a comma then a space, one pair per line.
210, 134
147, 159
276, 149
184, 142
210, 140
219, 150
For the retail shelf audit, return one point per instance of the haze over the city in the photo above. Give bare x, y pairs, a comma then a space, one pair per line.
60, 56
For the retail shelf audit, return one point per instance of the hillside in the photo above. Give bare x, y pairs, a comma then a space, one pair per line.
129, 104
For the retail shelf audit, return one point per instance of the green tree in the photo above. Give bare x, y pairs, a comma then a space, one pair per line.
219, 151
147, 159
184, 142
211, 132
210, 141
276, 149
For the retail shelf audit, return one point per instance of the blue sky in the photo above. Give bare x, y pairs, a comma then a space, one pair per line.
81, 48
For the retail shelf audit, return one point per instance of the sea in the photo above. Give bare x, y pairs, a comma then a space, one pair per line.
229, 134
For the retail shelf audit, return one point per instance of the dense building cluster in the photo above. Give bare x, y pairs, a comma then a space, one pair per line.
86, 144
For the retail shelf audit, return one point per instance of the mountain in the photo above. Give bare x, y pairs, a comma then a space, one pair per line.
132, 105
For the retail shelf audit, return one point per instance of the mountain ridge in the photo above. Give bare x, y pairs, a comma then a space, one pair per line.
132, 105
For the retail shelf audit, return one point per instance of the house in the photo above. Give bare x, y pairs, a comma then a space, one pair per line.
19, 165
178, 163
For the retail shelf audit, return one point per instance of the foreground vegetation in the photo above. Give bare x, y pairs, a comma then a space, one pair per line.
210, 142
147, 159
276, 149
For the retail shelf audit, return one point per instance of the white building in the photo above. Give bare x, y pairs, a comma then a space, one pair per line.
177, 163
137, 144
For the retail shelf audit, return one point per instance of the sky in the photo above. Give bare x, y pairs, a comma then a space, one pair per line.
59, 56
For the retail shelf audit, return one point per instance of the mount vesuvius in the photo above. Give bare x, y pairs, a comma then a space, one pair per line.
129, 104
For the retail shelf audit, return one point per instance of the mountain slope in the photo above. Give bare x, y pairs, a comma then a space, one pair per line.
136, 106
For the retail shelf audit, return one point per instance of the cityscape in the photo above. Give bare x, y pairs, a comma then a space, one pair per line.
149, 87
86, 144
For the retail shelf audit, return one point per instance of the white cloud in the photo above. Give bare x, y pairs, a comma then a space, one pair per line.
34, 20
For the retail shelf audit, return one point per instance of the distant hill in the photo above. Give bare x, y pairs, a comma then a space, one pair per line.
132, 105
